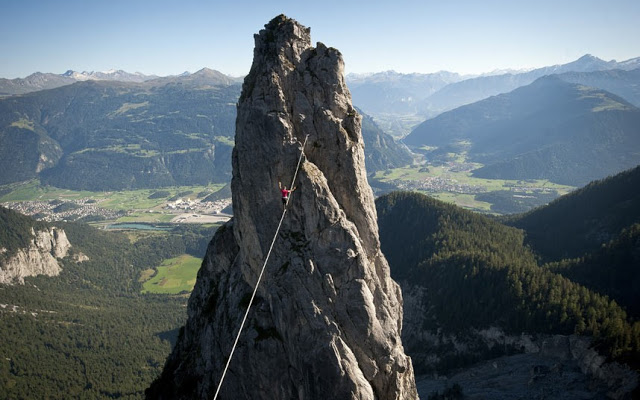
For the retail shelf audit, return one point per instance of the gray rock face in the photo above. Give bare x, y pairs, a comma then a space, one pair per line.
40, 258
561, 367
327, 318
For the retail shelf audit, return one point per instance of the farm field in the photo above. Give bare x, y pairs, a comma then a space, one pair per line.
173, 276
452, 182
104, 208
118, 200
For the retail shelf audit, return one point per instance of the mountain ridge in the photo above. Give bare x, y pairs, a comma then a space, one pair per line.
474, 89
551, 129
583, 220
110, 134
42, 81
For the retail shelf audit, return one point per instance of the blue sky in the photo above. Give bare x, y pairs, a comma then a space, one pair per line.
169, 37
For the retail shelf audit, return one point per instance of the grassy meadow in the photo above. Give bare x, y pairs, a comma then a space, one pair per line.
173, 276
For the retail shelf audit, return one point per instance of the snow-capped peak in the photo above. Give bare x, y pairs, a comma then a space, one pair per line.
108, 75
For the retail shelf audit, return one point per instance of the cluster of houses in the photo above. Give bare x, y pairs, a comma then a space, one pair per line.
438, 184
205, 207
51, 211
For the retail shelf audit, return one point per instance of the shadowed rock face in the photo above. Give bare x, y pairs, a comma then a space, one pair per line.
327, 317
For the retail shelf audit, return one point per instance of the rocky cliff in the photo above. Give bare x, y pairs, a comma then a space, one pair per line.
327, 318
39, 258
550, 367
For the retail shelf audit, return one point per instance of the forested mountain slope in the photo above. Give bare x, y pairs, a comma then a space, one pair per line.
583, 220
101, 135
473, 273
550, 129
613, 269
89, 332
112, 135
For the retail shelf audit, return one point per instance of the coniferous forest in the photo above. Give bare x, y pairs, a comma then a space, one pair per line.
90, 333
477, 273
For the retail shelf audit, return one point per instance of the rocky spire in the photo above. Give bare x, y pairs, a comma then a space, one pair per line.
327, 318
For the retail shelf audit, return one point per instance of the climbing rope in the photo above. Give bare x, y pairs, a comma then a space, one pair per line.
255, 290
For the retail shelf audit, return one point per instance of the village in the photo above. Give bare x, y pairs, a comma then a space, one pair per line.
88, 210
437, 184
71, 210
192, 211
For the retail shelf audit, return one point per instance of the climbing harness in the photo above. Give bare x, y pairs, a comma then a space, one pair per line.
253, 295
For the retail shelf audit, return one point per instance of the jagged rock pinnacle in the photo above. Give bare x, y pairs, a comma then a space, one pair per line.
326, 323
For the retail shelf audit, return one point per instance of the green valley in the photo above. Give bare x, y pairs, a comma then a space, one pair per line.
104, 208
453, 182
551, 129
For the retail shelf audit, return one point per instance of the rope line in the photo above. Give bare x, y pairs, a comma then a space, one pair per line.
255, 290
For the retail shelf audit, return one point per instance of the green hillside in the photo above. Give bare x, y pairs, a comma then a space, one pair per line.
99, 135
585, 219
551, 129
91, 333
111, 135
476, 273
613, 269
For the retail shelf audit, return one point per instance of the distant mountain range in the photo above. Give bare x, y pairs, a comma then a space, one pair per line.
392, 92
385, 93
471, 90
105, 135
391, 97
203, 78
40, 81
111, 75
382, 92
546, 130
551, 129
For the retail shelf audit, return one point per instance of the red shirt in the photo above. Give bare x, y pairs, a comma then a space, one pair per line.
285, 193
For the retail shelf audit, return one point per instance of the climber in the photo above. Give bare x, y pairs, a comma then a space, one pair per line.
285, 193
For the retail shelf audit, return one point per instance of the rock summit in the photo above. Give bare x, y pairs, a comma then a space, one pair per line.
327, 317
